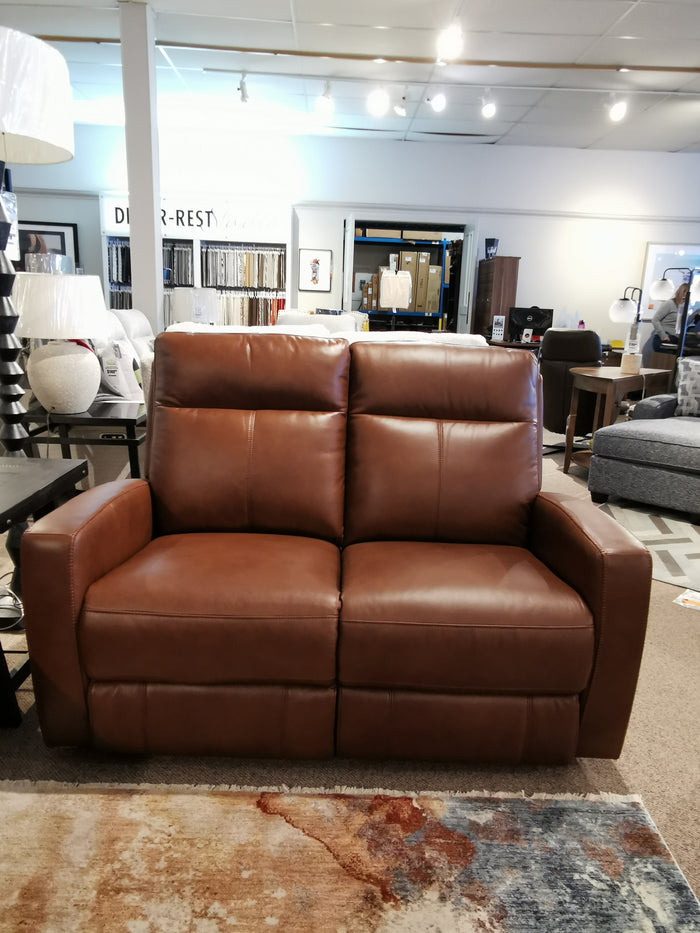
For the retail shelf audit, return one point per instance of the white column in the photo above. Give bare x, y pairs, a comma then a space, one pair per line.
143, 172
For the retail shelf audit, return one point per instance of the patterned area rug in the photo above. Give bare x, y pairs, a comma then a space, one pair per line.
82, 859
674, 542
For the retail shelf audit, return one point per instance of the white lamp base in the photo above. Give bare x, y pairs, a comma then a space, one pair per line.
64, 376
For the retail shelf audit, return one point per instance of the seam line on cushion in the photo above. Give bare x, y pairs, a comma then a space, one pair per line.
469, 626
249, 465
441, 461
210, 615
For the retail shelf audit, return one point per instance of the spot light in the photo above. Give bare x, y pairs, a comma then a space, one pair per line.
438, 102
618, 110
378, 102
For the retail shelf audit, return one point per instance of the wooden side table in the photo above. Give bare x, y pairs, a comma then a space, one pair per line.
610, 386
28, 487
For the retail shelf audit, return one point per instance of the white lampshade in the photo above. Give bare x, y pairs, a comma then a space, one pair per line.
623, 311
662, 289
195, 304
53, 307
36, 126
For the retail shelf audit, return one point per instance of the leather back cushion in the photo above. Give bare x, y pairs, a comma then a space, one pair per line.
444, 443
246, 432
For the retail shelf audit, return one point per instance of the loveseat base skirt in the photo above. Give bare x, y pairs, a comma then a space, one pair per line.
254, 721
375, 723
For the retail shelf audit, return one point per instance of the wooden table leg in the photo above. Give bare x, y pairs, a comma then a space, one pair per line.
570, 428
611, 404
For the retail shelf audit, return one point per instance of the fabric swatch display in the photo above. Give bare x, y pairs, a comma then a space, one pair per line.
395, 290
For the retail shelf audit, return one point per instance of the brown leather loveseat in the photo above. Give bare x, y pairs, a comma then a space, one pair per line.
339, 549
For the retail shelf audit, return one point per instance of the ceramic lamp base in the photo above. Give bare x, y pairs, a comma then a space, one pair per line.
64, 377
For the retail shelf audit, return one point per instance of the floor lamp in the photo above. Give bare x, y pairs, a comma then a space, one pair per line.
36, 128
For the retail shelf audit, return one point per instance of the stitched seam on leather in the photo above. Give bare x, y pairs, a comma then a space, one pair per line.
137, 613
468, 626
249, 466
441, 460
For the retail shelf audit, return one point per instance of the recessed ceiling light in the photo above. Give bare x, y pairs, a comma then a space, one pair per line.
488, 110
380, 61
623, 70
449, 43
378, 102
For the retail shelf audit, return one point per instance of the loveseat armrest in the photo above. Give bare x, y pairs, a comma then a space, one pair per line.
611, 571
61, 555
655, 406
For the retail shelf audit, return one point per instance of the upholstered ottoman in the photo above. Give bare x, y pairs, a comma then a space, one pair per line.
656, 461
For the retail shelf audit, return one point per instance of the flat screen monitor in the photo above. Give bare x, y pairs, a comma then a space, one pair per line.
538, 320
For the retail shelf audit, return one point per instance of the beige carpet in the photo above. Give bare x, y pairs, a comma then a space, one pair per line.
660, 760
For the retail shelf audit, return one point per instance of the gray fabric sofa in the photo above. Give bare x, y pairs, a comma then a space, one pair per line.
653, 458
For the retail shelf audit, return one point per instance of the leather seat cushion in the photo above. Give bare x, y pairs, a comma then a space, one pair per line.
460, 617
204, 608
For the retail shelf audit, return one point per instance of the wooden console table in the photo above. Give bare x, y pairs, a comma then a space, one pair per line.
610, 386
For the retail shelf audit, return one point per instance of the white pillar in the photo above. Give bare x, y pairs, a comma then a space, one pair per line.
143, 172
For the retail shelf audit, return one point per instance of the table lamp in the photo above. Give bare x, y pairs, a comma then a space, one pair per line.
65, 310
36, 128
626, 311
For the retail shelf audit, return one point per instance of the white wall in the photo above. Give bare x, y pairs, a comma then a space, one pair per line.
580, 220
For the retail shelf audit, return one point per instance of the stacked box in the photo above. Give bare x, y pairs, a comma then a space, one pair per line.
408, 262
421, 289
432, 302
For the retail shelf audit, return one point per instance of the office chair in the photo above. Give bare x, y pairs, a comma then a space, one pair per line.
561, 350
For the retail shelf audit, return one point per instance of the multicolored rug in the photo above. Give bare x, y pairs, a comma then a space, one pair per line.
143, 859
673, 541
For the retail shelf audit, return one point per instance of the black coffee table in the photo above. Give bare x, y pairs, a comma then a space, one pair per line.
28, 487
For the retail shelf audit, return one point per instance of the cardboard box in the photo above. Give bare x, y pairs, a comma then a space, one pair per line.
384, 234
431, 235
422, 281
365, 297
408, 262
375, 292
382, 270
432, 302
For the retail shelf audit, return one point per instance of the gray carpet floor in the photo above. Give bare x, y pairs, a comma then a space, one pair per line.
660, 760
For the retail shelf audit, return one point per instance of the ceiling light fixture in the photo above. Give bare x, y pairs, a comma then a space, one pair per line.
438, 102
324, 102
449, 43
617, 110
243, 89
378, 102
488, 106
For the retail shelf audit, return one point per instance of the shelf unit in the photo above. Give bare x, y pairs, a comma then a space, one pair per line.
373, 252
497, 284
250, 278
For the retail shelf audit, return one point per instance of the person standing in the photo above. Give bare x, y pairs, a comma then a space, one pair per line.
665, 319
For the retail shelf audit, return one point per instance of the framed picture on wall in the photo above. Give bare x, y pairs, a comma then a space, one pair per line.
47, 238
315, 269
662, 256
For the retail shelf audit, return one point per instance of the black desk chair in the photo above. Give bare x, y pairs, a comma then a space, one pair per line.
561, 350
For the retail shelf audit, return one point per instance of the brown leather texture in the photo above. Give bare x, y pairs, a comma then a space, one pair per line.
219, 608
247, 433
62, 554
444, 727
444, 443
460, 617
216, 609
250, 720
612, 572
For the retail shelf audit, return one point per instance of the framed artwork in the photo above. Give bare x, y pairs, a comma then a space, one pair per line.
315, 270
662, 256
47, 237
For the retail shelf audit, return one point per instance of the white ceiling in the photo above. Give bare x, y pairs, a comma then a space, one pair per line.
551, 66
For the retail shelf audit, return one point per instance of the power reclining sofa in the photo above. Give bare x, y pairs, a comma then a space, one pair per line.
338, 550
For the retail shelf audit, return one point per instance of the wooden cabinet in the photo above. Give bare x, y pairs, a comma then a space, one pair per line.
496, 286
